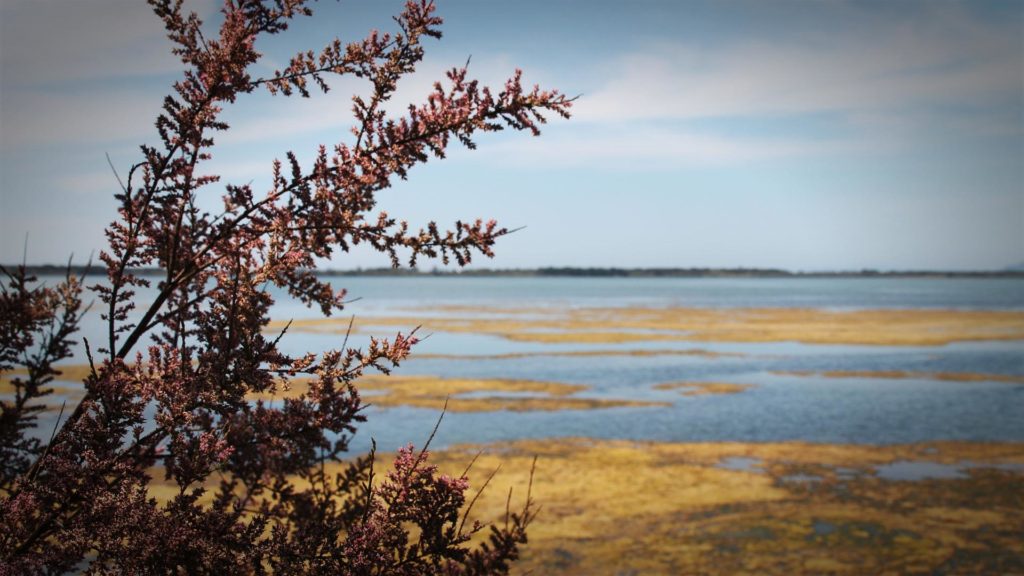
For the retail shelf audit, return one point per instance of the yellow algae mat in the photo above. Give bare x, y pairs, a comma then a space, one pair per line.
472, 394
896, 327
622, 507
617, 507
502, 394
703, 388
423, 391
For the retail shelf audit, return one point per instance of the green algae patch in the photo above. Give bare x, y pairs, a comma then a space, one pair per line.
617, 507
900, 327
474, 395
703, 388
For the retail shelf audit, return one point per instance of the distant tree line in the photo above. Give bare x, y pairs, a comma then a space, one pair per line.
570, 271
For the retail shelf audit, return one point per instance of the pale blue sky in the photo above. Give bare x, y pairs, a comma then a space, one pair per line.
802, 135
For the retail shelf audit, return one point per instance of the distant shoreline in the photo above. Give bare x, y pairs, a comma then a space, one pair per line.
573, 272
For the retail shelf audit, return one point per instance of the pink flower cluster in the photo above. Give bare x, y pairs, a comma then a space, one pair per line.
169, 390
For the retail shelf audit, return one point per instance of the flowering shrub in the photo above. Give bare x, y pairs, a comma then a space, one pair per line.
168, 389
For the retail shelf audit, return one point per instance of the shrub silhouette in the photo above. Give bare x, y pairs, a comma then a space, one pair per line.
166, 392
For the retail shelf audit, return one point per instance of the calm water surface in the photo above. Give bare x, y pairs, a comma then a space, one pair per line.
777, 407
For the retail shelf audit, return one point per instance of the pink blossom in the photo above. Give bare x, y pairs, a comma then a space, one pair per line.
170, 385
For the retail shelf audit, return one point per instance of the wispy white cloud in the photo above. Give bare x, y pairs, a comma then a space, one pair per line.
273, 119
47, 42
640, 147
77, 72
944, 59
97, 116
933, 91
889, 85
888, 79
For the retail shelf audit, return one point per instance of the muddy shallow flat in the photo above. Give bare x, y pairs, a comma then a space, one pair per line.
617, 507
621, 507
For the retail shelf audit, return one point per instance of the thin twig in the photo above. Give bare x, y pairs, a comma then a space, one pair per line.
469, 508
116, 175
348, 332
38, 463
88, 354
369, 480
433, 433
471, 462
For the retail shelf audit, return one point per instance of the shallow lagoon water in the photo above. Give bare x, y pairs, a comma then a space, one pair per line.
854, 411
830, 293
912, 471
722, 460
778, 407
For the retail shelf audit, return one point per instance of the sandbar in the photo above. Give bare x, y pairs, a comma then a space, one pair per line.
703, 388
487, 394
896, 327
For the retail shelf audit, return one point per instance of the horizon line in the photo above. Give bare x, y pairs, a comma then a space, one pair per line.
581, 271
